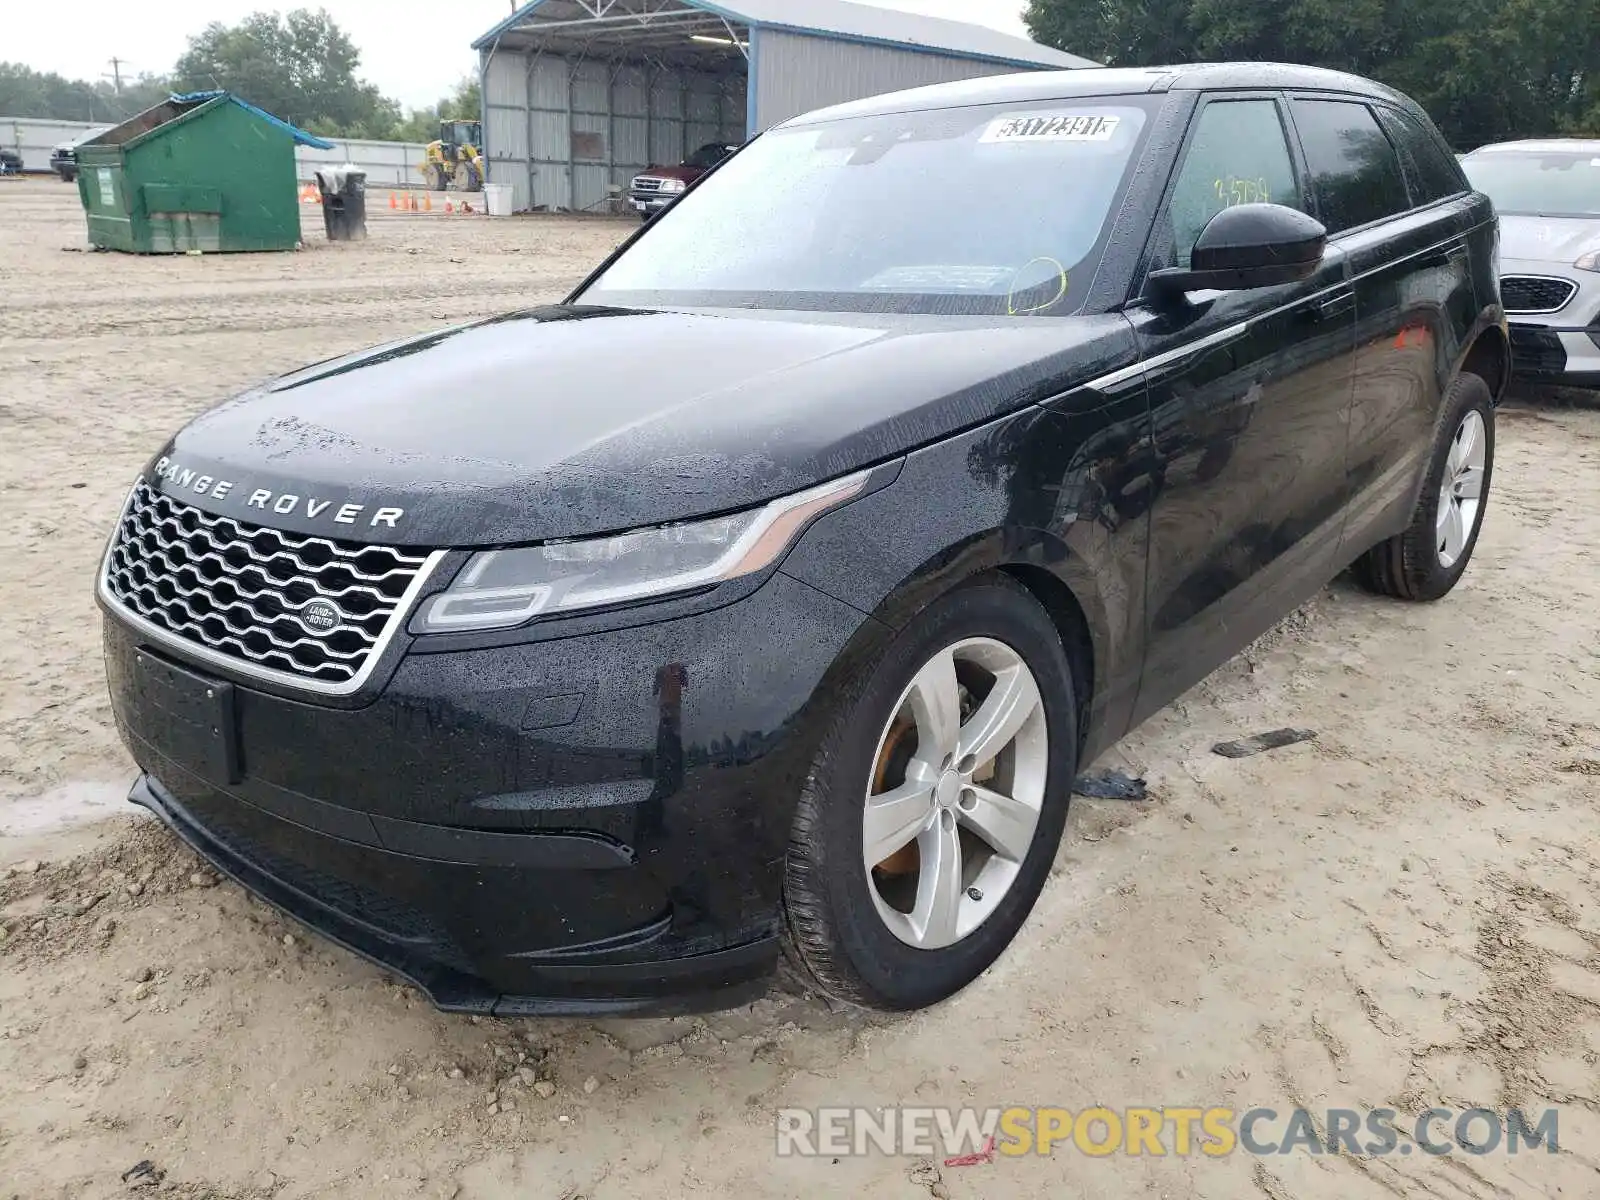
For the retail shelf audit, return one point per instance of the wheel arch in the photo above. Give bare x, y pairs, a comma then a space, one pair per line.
1072, 624
1488, 356
1057, 578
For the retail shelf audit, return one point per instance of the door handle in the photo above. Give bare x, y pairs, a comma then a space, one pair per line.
1335, 306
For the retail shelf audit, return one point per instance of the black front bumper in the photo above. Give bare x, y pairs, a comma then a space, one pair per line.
592, 824
1538, 356
308, 877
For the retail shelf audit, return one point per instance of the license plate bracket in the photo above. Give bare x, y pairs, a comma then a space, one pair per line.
190, 716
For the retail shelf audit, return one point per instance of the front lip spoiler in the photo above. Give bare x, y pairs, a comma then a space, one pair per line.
726, 978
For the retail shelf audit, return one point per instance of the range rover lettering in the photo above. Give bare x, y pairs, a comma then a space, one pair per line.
766, 596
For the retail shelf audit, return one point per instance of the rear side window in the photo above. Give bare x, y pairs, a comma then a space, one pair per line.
1353, 165
1430, 168
1239, 155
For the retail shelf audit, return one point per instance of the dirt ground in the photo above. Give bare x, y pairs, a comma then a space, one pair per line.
1403, 913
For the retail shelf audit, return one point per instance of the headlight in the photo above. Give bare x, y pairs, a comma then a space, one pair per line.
673, 185
1589, 261
501, 588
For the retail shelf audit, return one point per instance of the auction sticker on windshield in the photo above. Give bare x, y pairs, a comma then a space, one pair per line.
1056, 127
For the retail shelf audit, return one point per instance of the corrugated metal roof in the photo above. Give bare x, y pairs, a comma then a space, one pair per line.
890, 25
864, 22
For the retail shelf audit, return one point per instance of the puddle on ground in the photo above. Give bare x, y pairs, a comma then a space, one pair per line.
62, 807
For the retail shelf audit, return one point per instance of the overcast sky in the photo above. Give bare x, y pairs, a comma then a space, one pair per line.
414, 50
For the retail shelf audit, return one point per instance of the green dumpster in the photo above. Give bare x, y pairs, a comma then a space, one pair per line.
203, 171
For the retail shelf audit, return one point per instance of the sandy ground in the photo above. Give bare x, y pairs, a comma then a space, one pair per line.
1404, 913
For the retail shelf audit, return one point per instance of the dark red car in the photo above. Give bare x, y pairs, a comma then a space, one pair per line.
658, 187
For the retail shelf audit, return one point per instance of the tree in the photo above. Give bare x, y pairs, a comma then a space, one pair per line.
462, 104
1486, 70
1119, 33
300, 66
28, 93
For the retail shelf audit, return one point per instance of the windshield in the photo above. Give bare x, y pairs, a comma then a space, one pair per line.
1538, 183
985, 210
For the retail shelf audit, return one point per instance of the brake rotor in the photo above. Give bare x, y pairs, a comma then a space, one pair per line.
898, 747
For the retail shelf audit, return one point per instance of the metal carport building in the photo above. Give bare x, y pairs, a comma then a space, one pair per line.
580, 95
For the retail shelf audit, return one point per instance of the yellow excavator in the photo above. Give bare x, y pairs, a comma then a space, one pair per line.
456, 159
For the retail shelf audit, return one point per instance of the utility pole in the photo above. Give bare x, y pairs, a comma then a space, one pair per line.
116, 74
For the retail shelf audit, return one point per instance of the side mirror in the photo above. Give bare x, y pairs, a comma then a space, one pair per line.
1248, 246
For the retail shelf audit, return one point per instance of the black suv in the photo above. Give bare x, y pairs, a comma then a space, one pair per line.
64, 161
770, 591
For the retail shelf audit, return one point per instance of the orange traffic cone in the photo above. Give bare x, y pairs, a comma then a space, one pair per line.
394, 201
427, 201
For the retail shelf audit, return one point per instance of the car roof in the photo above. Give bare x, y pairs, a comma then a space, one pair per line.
1542, 146
1038, 86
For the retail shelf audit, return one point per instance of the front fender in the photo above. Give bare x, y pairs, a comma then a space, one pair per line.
1026, 490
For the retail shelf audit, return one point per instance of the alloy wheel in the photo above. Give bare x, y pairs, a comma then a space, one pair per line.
1461, 489
956, 792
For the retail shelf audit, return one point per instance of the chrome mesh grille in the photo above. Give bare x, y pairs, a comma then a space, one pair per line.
1535, 293
239, 589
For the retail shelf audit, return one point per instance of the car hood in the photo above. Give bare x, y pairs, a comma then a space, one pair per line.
1554, 240
565, 421
686, 174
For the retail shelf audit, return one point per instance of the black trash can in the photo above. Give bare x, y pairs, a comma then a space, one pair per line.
344, 202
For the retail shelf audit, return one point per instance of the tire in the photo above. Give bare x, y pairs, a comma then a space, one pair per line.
1414, 564
839, 925
469, 177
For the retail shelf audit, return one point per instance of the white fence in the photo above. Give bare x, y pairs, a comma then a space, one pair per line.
387, 164
34, 139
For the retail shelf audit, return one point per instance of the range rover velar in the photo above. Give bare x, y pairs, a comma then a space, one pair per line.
766, 595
